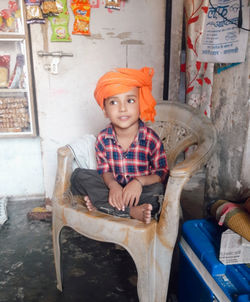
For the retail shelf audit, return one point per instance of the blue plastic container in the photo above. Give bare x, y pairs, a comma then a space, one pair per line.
202, 277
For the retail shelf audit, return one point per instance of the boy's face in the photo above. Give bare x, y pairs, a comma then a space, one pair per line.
123, 109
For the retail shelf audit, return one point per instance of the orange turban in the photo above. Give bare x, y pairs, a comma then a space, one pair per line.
123, 80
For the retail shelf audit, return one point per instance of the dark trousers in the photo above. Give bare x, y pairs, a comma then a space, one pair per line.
89, 182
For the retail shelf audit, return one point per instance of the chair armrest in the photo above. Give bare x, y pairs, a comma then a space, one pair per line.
64, 171
180, 174
195, 161
168, 225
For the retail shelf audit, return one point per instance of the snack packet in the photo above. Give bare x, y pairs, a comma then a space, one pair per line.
6, 13
114, 4
62, 6
81, 10
49, 8
13, 6
8, 21
3, 26
4, 70
17, 75
59, 25
33, 12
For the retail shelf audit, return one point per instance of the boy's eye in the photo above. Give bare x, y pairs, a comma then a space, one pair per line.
113, 102
131, 101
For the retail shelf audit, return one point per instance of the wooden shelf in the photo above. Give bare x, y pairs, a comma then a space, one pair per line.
9, 90
12, 36
18, 118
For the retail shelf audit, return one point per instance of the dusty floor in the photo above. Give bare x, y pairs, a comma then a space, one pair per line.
93, 271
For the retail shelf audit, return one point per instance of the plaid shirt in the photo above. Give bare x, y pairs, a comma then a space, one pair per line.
145, 156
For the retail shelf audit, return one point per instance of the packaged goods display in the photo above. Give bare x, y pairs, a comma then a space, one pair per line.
14, 111
14, 115
10, 18
17, 108
38, 10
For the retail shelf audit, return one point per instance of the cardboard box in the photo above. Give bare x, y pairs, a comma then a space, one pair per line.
234, 249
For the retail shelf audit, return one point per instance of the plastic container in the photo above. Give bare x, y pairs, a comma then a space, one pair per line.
202, 277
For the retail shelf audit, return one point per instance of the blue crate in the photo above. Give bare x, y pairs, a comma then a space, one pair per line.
202, 277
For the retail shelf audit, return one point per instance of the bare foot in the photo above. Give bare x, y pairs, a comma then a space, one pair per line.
89, 204
142, 212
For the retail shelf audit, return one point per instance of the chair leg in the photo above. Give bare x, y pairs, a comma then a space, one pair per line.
146, 278
56, 230
164, 260
153, 274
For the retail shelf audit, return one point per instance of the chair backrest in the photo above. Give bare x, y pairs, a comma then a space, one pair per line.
180, 126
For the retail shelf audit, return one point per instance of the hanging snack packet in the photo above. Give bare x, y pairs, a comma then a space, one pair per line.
33, 12
49, 8
17, 75
62, 6
81, 10
4, 70
59, 25
115, 4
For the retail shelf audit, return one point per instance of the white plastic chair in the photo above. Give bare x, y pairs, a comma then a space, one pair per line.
150, 245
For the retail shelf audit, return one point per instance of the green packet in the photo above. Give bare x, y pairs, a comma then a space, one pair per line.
59, 26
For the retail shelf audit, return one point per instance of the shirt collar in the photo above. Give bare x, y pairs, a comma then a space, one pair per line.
110, 132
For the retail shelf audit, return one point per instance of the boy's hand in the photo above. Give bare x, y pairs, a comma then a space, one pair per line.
131, 193
115, 196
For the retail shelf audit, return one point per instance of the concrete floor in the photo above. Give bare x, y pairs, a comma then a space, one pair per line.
93, 271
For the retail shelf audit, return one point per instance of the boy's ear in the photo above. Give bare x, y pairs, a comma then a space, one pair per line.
104, 112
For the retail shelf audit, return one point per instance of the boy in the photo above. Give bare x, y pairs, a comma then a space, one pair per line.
130, 156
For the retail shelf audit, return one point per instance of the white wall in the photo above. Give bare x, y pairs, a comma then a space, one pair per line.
21, 167
132, 37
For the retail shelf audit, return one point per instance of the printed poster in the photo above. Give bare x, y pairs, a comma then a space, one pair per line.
222, 41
